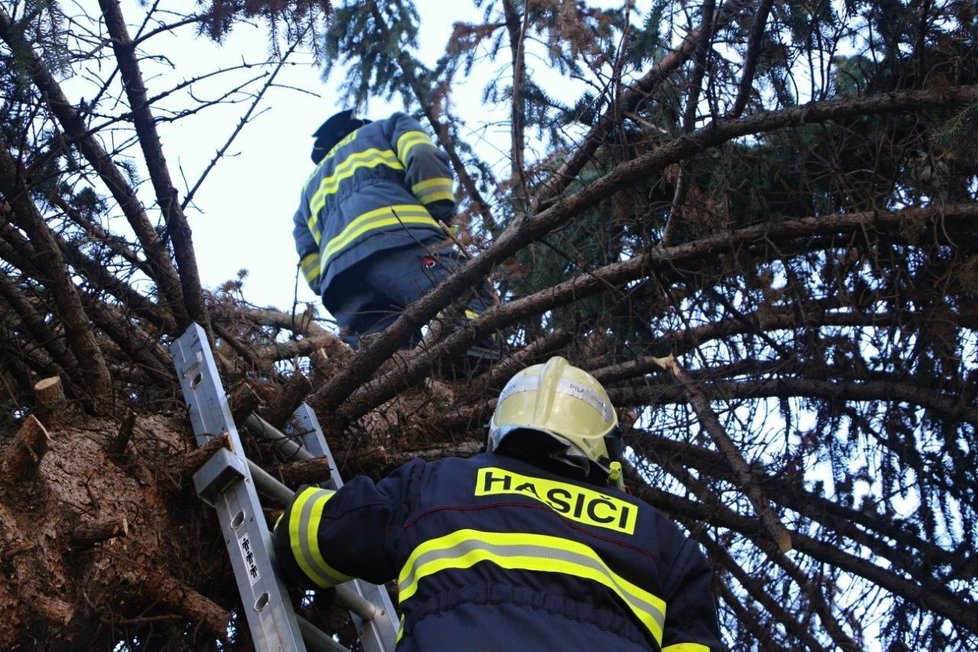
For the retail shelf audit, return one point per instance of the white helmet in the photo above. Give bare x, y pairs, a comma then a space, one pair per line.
568, 407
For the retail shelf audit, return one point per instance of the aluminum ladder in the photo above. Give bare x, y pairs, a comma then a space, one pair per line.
231, 483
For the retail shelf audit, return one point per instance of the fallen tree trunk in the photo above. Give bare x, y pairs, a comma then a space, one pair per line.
118, 542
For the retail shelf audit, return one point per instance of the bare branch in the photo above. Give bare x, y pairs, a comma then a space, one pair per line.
710, 423
166, 194
165, 276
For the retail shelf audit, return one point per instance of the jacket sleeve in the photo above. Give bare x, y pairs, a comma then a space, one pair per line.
691, 616
306, 247
426, 167
325, 538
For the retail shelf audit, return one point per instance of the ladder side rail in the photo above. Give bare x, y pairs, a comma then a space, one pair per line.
268, 610
378, 633
369, 604
306, 425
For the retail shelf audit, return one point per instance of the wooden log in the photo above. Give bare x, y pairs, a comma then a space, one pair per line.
52, 610
86, 535
370, 461
50, 394
191, 461
243, 400
161, 588
311, 471
278, 411
319, 361
23, 455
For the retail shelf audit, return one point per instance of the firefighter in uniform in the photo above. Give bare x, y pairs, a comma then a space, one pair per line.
529, 546
368, 229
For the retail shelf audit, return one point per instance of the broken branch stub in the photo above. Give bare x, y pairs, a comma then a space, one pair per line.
117, 446
88, 534
23, 455
50, 394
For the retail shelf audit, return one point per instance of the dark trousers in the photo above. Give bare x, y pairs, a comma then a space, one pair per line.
370, 296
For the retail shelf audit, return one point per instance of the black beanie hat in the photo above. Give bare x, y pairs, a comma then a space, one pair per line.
333, 131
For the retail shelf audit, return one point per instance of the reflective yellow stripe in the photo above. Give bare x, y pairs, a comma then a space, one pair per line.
310, 267
313, 224
408, 214
346, 141
532, 552
471, 314
368, 158
304, 520
409, 140
433, 190
686, 647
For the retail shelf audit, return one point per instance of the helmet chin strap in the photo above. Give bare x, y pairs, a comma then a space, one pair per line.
616, 477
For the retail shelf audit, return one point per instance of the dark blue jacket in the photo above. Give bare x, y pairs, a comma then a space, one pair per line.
491, 553
381, 187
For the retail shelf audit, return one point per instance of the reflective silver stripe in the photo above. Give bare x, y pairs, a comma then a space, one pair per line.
564, 386
303, 534
532, 552
310, 267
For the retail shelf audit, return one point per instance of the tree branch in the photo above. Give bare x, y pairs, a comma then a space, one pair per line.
165, 276
149, 140
51, 263
653, 263
522, 232
442, 131
709, 421
959, 612
629, 100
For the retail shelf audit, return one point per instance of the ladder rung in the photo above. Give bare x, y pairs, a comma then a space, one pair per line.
356, 602
258, 427
316, 639
269, 486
